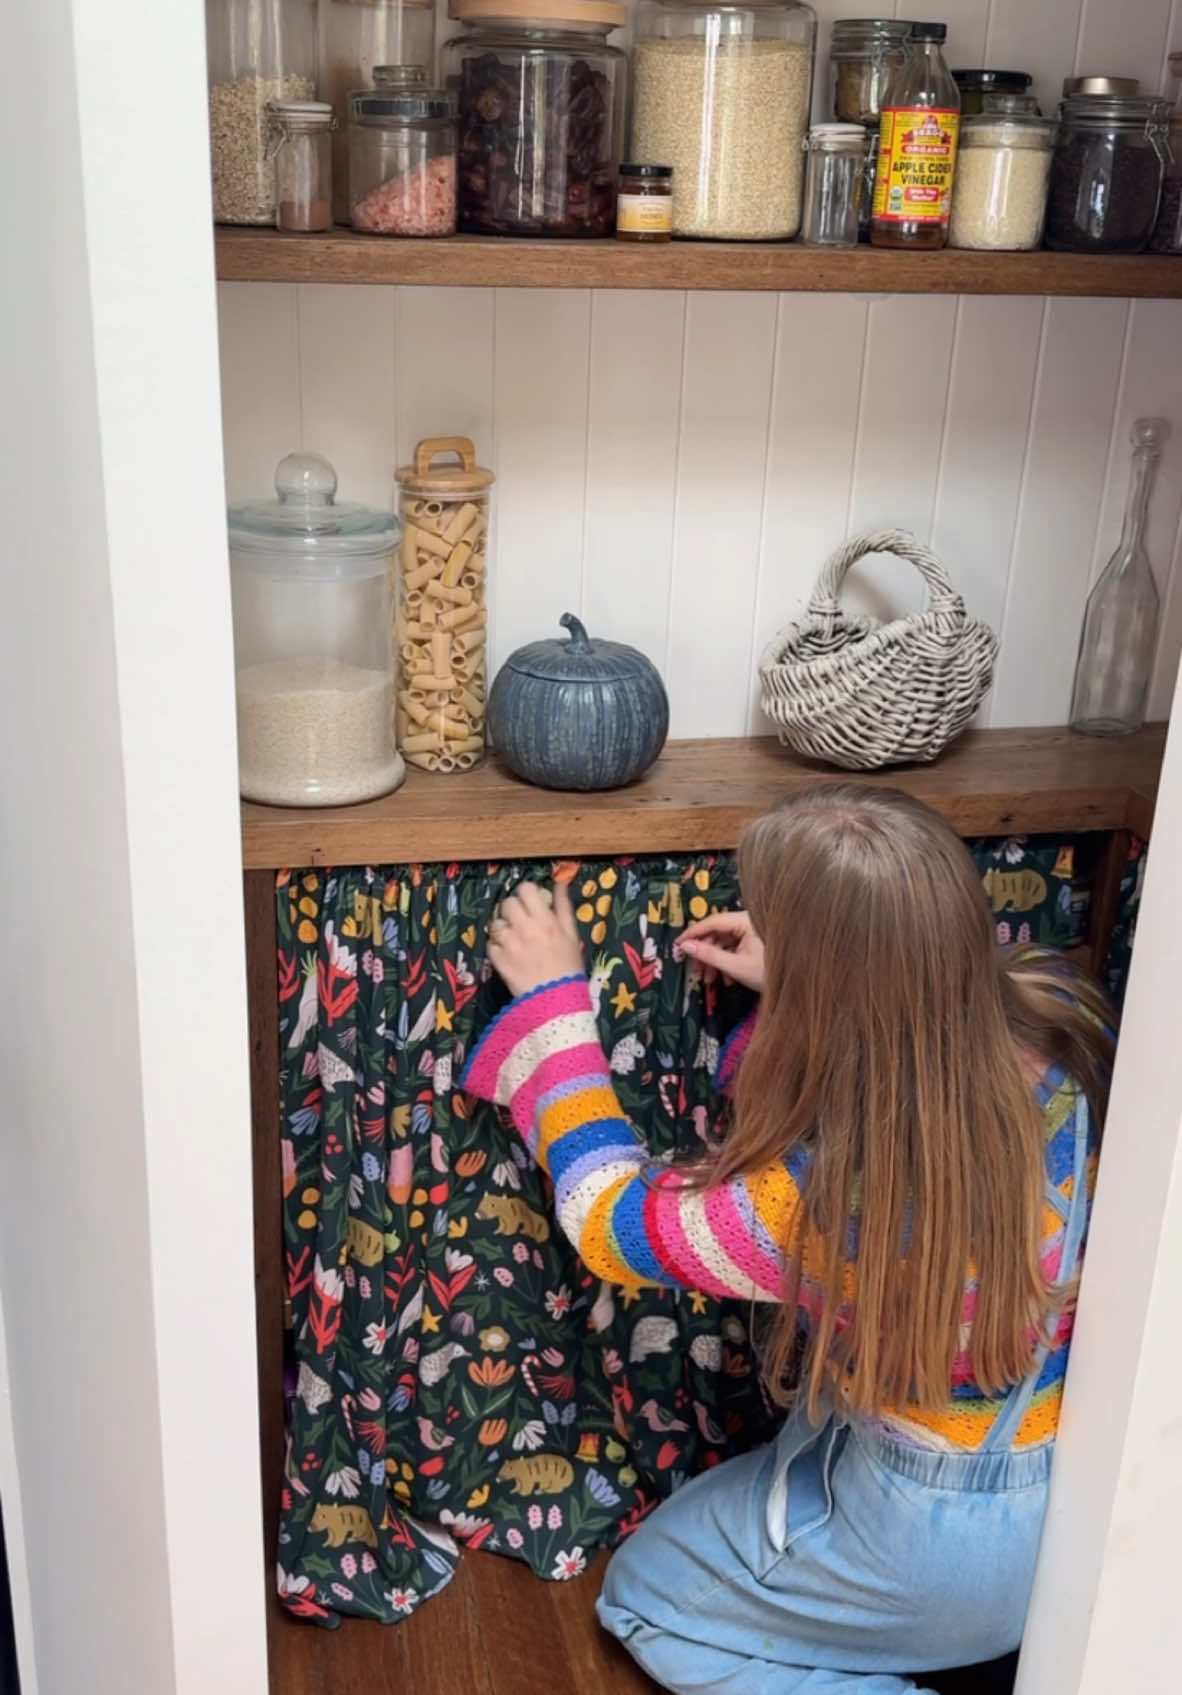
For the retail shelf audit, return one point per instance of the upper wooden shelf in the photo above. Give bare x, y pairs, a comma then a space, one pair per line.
701, 794
339, 256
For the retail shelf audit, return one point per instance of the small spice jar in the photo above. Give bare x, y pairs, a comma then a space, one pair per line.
833, 185
402, 155
300, 142
309, 580
1106, 174
863, 53
1167, 231
976, 86
999, 198
440, 619
644, 205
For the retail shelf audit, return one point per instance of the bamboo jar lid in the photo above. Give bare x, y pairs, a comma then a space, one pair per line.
425, 477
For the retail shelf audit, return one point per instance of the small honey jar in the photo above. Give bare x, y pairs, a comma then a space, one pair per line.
644, 207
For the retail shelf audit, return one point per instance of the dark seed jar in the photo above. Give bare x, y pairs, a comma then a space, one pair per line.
1106, 175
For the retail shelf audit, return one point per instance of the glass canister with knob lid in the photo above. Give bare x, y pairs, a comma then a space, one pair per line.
540, 93
310, 580
440, 619
258, 51
402, 155
358, 36
721, 92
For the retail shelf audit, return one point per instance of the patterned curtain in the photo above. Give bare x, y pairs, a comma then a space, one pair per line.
458, 1377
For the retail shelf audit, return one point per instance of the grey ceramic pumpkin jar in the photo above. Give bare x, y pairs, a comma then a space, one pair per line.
578, 714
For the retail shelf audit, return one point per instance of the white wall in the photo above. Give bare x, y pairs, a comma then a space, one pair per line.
1105, 1612
676, 467
125, 1227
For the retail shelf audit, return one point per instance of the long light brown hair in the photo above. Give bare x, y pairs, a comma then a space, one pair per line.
898, 1044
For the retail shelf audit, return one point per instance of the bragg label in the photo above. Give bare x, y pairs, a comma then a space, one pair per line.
916, 159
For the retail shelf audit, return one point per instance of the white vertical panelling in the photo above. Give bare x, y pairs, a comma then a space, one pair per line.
1067, 453
540, 394
260, 364
637, 342
444, 339
900, 430
346, 369
1129, 39
730, 344
814, 425
1039, 38
966, 20
989, 400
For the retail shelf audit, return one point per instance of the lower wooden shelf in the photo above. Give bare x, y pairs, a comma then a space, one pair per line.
700, 794
266, 255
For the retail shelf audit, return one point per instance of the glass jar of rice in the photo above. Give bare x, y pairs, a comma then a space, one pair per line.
310, 580
721, 92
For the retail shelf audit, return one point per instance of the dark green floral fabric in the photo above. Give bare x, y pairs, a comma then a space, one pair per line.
457, 1376
460, 1377
1124, 932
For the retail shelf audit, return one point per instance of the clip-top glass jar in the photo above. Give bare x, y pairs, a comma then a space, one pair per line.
541, 114
1167, 231
440, 623
299, 136
833, 185
358, 36
999, 198
402, 155
721, 92
310, 583
863, 54
258, 51
1106, 175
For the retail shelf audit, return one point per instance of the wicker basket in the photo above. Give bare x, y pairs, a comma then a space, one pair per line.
859, 693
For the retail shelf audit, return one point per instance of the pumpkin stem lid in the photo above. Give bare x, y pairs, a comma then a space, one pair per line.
580, 641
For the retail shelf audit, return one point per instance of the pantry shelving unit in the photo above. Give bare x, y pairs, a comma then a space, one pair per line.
339, 256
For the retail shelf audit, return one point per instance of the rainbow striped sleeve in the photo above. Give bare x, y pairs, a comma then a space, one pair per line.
633, 1221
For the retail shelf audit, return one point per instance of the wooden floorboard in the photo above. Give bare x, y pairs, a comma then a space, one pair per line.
495, 1630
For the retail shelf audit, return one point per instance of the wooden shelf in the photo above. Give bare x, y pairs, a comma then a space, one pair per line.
701, 794
265, 255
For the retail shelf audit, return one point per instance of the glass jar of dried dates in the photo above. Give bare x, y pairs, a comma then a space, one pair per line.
540, 96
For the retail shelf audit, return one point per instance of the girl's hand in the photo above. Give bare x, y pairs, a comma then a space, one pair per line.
531, 942
726, 943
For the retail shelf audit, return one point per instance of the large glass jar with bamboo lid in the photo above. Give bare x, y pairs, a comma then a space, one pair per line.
358, 36
440, 612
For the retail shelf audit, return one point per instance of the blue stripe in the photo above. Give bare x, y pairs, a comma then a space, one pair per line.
631, 1235
530, 995
572, 1086
597, 1136
589, 1161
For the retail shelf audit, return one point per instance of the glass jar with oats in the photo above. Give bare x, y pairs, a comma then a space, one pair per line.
721, 92
440, 613
258, 52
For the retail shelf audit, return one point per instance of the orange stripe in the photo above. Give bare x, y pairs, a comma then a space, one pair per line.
597, 1239
574, 1111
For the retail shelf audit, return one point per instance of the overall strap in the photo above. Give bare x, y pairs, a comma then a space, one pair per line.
1016, 1404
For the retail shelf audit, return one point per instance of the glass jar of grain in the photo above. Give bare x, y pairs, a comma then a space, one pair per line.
721, 92
360, 35
439, 630
257, 51
999, 197
310, 580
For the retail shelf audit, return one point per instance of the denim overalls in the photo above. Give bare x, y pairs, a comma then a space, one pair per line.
836, 1561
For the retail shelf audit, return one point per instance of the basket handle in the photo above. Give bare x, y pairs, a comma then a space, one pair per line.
942, 597
462, 446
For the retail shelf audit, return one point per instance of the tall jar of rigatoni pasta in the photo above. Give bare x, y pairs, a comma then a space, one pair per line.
440, 616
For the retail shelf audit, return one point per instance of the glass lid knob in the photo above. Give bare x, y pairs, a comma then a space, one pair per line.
305, 479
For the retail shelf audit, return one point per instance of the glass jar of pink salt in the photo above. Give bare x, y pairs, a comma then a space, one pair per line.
402, 155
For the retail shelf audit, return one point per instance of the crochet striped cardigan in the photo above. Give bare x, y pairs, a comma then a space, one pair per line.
634, 1222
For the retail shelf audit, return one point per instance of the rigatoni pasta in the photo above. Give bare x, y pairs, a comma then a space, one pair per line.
440, 615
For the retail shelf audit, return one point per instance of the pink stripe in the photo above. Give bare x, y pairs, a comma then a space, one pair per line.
662, 1213
730, 1228
584, 1061
519, 1020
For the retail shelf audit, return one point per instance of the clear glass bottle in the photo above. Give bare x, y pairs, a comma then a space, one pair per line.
1119, 636
300, 137
833, 185
721, 92
402, 155
356, 37
257, 51
917, 139
541, 96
